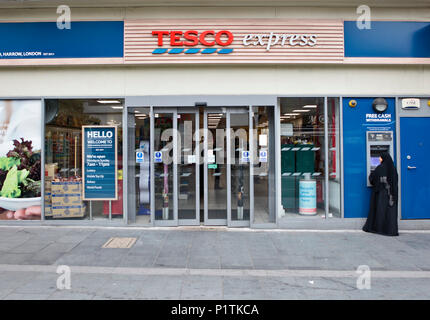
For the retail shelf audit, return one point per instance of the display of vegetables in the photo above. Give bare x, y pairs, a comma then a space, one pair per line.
20, 172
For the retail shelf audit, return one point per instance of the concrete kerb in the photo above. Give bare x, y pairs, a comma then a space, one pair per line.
286, 273
196, 228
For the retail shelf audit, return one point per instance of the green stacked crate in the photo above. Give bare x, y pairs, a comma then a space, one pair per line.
288, 164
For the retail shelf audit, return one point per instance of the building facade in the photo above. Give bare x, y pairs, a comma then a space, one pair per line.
244, 114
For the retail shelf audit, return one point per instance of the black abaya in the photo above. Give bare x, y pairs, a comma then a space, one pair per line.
382, 218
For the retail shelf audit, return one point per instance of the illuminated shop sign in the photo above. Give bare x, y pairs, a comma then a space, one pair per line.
233, 41
273, 39
209, 38
192, 38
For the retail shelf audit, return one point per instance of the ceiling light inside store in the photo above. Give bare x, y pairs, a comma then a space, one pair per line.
117, 107
311, 106
108, 101
213, 122
291, 114
301, 110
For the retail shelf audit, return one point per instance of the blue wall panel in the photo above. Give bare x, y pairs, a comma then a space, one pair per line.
85, 39
357, 194
389, 39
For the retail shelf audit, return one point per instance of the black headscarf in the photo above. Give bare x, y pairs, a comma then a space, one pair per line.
389, 170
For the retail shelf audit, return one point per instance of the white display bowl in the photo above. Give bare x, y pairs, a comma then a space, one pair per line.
14, 204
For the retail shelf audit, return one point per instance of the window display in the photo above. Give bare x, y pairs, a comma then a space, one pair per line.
65, 120
20, 167
302, 157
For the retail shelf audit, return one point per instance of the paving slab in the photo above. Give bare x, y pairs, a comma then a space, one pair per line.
204, 262
202, 288
161, 287
117, 289
171, 262
70, 295
27, 296
138, 261
243, 288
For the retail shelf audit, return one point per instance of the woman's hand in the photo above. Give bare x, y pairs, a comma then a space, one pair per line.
31, 213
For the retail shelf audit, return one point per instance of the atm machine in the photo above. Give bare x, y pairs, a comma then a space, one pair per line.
377, 142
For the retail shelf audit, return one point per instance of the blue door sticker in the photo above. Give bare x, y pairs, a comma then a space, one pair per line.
139, 157
158, 157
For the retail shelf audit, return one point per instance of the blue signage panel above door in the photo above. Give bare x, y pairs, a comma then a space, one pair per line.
44, 40
388, 39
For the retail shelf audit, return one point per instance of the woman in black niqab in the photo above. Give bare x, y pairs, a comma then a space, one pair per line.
382, 218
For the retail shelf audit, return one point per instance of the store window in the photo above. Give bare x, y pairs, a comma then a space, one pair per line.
333, 109
264, 164
20, 159
302, 157
83, 172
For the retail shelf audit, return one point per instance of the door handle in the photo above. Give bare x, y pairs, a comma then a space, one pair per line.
409, 167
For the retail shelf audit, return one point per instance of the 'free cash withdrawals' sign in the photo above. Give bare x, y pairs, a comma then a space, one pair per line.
99, 162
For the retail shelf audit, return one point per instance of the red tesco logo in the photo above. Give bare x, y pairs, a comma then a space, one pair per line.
193, 38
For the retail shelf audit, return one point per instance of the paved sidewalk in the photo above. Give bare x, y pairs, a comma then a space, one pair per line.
214, 263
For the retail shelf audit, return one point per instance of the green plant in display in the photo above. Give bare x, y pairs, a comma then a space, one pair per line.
20, 175
11, 184
6, 163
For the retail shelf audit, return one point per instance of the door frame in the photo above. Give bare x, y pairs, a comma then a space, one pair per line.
208, 101
174, 221
228, 221
207, 221
246, 110
402, 172
422, 112
196, 151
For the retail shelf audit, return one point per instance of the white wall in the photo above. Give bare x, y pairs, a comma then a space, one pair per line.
289, 80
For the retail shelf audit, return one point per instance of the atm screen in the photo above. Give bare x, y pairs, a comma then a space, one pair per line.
374, 162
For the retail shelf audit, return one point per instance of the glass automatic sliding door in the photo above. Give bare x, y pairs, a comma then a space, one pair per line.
176, 171
239, 169
215, 167
188, 167
163, 197
211, 165
139, 164
227, 167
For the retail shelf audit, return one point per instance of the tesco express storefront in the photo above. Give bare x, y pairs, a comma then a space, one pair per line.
233, 123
